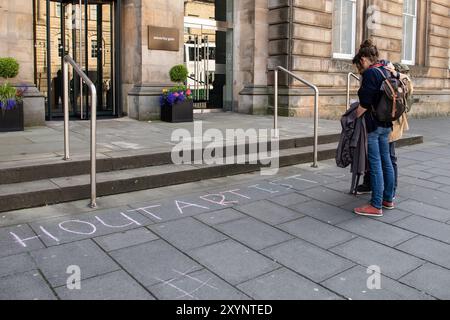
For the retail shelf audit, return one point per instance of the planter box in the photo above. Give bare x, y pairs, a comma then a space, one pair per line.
12, 120
179, 112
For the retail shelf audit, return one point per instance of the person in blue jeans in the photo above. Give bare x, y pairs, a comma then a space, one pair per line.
382, 176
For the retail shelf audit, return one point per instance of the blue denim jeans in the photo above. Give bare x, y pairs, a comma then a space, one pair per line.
382, 177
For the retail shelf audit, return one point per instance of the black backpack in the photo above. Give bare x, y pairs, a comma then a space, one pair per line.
393, 101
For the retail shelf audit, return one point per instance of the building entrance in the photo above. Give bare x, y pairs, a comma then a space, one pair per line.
85, 30
208, 52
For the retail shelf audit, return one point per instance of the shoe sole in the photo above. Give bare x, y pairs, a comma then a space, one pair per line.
389, 208
368, 214
360, 193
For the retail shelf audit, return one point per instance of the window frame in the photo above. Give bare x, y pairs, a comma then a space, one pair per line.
414, 35
347, 56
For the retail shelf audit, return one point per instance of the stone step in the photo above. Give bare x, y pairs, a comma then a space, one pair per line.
22, 171
70, 188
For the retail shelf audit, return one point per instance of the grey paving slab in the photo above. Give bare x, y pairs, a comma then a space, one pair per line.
428, 249
430, 228
352, 284
125, 239
377, 231
392, 216
187, 233
117, 285
54, 261
419, 182
18, 239
392, 263
233, 262
419, 155
269, 212
94, 224
442, 180
426, 195
438, 172
220, 216
417, 173
425, 210
289, 199
329, 196
253, 233
308, 260
324, 212
317, 232
25, 286
431, 279
199, 285
153, 262
283, 284
16, 264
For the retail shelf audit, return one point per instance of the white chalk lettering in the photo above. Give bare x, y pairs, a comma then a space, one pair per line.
187, 205
93, 227
222, 201
121, 226
49, 234
22, 241
235, 192
146, 211
256, 186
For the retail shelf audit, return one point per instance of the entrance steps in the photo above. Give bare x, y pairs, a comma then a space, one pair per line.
33, 184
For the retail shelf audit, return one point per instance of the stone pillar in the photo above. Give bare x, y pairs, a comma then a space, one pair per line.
145, 72
16, 38
251, 51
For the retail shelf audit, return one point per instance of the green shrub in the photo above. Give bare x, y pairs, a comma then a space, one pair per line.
9, 67
178, 73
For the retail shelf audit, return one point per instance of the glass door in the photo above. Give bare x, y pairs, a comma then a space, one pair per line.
83, 29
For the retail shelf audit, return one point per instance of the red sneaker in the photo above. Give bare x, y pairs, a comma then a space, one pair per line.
388, 205
369, 211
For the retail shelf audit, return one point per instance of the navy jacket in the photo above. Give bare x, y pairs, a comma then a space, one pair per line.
369, 96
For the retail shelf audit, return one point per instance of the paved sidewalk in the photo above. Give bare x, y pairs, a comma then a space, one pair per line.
292, 236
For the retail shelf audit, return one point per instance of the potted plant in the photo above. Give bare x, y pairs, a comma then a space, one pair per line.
176, 102
11, 98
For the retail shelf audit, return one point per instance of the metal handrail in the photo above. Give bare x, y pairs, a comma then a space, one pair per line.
316, 109
68, 60
349, 76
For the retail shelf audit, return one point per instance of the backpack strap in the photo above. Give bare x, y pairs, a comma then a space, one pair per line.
382, 73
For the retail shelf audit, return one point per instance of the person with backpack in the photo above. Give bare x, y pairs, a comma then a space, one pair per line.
381, 101
399, 126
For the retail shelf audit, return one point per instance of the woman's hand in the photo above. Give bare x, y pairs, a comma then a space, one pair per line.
360, 111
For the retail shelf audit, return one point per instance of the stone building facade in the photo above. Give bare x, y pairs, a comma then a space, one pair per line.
314, 39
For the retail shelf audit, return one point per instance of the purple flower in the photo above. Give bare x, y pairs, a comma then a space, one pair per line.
10, 104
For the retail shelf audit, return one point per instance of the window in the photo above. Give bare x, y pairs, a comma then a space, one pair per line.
409, 31
58, 9
94, 48
344, 29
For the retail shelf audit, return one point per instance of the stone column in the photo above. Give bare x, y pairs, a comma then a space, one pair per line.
145, 72
16, 38
251, 52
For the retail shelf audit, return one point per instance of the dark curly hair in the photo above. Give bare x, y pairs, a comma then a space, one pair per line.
368, 50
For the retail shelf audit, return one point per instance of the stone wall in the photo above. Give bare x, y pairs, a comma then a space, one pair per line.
251, 52
16, 41
145, 72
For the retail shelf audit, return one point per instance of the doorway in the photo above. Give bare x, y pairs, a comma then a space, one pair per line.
208, 45
85, 30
